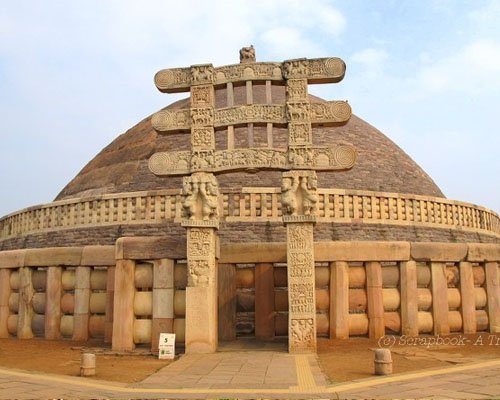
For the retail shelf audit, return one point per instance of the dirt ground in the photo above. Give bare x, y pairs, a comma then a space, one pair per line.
345, 360
342, 360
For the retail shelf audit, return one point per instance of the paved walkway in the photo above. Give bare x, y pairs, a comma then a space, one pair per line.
259, 375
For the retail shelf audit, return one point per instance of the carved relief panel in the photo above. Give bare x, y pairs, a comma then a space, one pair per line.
200, 197
299, 194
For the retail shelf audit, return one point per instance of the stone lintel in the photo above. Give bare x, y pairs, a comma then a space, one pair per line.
362, 251
428, 251
483, 252
193, 223
148, 248
319, 70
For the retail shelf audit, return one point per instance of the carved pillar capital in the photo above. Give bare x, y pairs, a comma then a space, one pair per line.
299, 196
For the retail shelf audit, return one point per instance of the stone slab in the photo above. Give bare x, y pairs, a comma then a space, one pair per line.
148, 248
483, 252
361, 251
12, 258
260, 252
163, 273
163, 303
427, 251
201, 319
123, 312
98, 255
53, 256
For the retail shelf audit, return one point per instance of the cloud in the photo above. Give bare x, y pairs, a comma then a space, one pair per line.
370, 58
474, 69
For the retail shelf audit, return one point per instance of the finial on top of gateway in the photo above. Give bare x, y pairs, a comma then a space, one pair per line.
247, 55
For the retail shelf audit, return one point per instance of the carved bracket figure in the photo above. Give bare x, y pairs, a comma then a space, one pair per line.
299, 193
200, 192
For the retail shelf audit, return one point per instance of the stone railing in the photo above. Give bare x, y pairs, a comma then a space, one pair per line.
253, 205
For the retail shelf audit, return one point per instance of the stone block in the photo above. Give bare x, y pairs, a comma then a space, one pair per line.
160, 325
25, 314
12, 258
201, 319
82, 301
264, 301
441, 252
361, 251
479, 252
80, 327
82, 278
53, 256
149, 248
123, 312
163, 273
98, 255
163, 303
53, 303
253, 253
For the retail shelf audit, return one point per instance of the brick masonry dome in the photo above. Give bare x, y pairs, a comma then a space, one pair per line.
122, 166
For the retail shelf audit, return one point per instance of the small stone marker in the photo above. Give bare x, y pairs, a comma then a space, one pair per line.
383, 362
166, 346
87, 368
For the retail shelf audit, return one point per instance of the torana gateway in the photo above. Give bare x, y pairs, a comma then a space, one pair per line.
251, 209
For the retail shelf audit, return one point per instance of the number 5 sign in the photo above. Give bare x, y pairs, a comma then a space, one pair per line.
166, 346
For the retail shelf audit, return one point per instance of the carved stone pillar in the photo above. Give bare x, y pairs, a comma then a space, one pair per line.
299, 199
200, 204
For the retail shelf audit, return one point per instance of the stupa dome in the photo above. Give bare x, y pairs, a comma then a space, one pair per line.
381, 165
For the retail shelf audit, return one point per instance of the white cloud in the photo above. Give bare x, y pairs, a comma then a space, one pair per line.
475, 68
371, 60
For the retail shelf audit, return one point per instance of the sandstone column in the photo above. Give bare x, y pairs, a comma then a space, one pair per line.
201, 292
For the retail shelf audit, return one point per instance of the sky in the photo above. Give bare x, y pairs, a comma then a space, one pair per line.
76, 74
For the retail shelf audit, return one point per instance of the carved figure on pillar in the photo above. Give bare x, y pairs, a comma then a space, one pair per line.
299, 193
200, 192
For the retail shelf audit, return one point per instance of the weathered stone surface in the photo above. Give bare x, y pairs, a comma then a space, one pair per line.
134, 248
12, 258
483, 252
362, 251
253, 253
438, 251
201, 319
98, 255
123, 312
53, 256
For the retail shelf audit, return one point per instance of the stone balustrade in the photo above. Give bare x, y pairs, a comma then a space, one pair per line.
253, 205
130, 292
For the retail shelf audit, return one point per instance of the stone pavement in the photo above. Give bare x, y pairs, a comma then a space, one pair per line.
269, 375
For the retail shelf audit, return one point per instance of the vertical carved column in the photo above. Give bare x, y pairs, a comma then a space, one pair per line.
301, 293
299, 197
200, 204
201, 292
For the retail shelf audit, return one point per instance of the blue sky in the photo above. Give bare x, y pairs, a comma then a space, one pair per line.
76, 74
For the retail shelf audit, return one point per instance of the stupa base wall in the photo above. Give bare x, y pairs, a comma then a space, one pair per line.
363, 288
